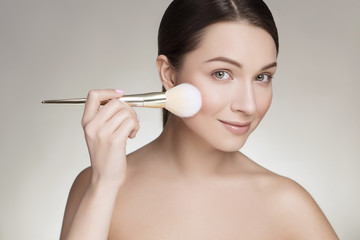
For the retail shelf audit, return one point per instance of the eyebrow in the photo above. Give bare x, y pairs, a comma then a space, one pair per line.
228, 60
224, 59
271, 65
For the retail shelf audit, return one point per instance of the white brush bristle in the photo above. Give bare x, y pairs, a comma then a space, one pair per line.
184, 100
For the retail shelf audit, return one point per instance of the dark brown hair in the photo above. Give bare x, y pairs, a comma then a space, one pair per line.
184, 21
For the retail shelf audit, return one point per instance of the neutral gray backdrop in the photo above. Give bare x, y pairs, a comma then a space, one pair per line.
60, 49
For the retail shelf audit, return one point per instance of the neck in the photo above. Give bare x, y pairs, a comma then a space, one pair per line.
190, 155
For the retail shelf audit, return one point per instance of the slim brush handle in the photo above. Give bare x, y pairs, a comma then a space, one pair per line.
65, 101
153, 100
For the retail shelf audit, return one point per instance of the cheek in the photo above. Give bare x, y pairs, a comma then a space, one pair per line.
263, 101
212, 98
213, 102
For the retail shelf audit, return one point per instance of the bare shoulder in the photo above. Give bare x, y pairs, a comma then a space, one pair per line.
75, 195
289, 205
81, 181
80, 185
296, 210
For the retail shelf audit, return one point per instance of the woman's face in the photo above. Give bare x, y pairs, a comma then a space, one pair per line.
232, 68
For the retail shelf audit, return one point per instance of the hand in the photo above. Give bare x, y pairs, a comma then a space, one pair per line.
106, 131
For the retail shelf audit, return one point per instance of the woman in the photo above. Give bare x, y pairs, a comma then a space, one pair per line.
192, 182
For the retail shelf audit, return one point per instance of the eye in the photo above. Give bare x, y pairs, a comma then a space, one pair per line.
221, 75
263, 78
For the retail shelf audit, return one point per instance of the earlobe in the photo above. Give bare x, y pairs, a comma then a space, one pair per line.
166, 72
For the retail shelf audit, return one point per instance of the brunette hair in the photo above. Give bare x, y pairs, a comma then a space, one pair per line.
184, 22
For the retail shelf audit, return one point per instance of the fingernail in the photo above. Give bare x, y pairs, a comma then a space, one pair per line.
119, 91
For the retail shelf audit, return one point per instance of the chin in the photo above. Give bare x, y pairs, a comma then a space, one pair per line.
229, 145
218, 138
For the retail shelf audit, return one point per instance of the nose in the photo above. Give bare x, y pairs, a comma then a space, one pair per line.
243, 98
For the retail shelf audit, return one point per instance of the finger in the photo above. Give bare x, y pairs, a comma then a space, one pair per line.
114, 123
108, 111
134, 133
136, 129
94, 99
124, 130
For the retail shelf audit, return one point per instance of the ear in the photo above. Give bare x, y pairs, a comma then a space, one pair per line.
166, 72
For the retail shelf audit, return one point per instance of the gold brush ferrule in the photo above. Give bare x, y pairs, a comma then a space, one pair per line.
151, 100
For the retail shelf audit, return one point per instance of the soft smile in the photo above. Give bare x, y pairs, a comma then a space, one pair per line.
236, 127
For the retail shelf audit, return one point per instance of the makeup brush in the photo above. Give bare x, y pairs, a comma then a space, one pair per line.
183, 100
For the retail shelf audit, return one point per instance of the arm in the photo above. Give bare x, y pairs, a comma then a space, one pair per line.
93, 195
89, 209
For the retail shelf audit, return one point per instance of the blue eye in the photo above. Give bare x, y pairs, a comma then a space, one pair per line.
221, 75
263, 78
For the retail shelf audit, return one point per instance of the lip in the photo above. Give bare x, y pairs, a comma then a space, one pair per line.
236, 127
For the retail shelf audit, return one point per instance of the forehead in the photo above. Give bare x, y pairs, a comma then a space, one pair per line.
236, 40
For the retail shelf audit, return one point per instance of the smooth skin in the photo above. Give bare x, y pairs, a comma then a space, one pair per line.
192, 182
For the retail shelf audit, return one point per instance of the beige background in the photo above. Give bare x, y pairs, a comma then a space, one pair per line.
60, 49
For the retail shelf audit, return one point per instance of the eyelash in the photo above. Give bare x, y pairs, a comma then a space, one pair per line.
221, 71
269, 76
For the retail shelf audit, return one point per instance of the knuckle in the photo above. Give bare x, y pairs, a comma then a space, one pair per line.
83, 122
114, 104
131, 112
117, 103
123, 113
93, 93
128, 114
89, 130
130, 123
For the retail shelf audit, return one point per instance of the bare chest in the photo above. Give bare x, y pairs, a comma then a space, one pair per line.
191, 212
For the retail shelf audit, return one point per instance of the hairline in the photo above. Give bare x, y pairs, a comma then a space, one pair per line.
200, 36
